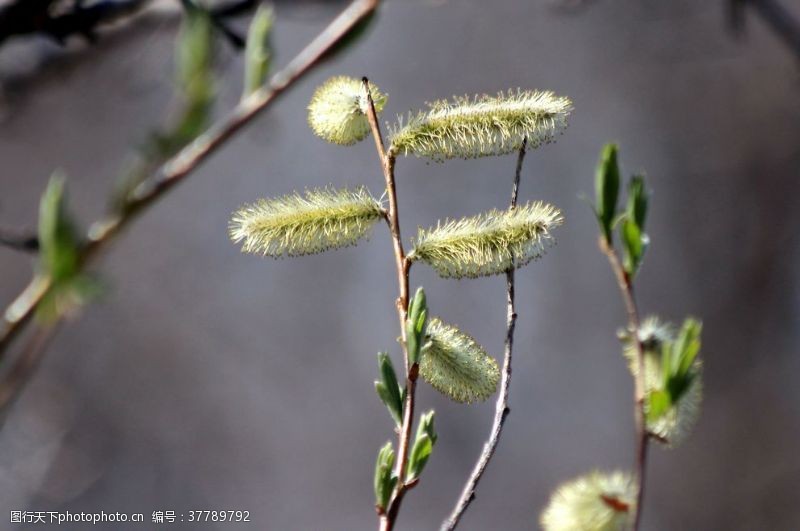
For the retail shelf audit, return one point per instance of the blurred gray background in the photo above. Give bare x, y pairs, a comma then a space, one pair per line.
209, 379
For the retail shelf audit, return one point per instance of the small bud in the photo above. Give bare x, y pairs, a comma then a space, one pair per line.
60, 256
338, 110
385, 480
607, 190
596, 502
388, 389
258, 51
416, 323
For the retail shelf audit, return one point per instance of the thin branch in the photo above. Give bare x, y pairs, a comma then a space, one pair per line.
501, 407
403, 265
189, 158
19, 240
642, 435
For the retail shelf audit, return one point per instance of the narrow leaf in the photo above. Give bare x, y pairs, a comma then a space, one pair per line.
415, 325
634, 242
258, 51
423, 446
638, 197
384, 481
388, 389
58, 240
607, 189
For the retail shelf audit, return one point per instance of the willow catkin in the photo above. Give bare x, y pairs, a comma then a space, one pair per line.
481, 126
338, 110
295, 224
456, 365
489, 243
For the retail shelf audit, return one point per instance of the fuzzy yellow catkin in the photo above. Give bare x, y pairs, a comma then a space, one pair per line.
338, 110
456, 365
481, 126
295, 224
489, 243
595, 502
676, 423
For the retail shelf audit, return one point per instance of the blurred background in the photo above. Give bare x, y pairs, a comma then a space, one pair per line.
209, 379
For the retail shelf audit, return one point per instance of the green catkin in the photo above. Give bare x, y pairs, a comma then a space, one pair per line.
296, 225
489, 243
595, 502
481, 126
456, 365
338, 110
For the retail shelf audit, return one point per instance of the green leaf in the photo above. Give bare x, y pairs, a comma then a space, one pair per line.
426, 426
58, 240
423, 445
384, 481
658, 403
258, 51
607, 189
194, 58
682, 355
638, 197
416, 323
635, 243
60, 255
388, 389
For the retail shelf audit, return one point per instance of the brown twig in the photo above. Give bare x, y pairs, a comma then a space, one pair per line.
625, 284
188, 159
501, 407
403, 265
19, 240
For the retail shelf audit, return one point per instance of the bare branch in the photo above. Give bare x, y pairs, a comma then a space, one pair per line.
501, 407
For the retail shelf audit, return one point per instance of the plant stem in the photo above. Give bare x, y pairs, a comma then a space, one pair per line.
625, 284
501, 410
403, 265
188, 159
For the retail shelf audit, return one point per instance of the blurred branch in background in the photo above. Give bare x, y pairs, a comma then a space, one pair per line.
19, 240
501, 406
70, 254
60, 19
773, 12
